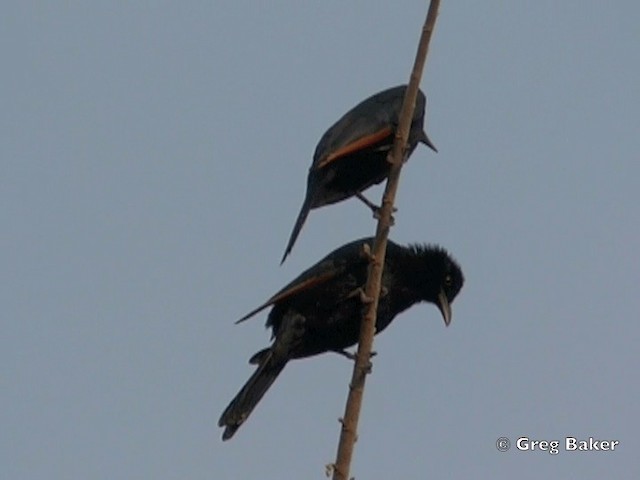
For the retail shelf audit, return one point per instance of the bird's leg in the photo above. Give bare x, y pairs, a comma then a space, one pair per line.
374, 208
346, 354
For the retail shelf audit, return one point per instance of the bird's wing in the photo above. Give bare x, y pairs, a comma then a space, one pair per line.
304, 282
354, 146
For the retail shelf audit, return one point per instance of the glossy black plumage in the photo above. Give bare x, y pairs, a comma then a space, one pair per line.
352, 155
321, 309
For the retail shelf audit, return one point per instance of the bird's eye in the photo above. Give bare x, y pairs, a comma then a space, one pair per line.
448, 281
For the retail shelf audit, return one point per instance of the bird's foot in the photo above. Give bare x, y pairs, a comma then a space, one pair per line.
377, 215
374, 208
346, 354
353, 356
329, 468
368, 367
361, 294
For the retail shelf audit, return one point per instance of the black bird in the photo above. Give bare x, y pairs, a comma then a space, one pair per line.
320, 311
352, 155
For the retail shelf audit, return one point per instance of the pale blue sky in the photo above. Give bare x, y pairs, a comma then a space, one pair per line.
153, 160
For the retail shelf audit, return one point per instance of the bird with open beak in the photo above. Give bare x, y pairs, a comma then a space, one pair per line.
321, 310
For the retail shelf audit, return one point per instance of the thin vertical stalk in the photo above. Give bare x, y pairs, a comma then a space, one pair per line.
362, 365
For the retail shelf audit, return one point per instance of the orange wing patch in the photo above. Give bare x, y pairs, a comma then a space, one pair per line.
359, 144
295, 289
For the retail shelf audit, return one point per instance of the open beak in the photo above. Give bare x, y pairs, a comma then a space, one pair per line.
444, 307
424, 139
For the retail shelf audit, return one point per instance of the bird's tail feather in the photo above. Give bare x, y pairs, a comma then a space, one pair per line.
302, 216
248, 397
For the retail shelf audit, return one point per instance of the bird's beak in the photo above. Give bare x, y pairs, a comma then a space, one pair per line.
424, 139
444, 307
